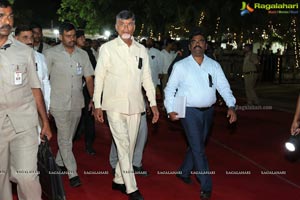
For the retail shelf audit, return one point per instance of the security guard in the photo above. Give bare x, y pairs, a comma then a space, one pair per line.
20, 99
67, 65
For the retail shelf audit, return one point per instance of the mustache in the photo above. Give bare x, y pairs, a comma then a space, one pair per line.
6, 26
197, 46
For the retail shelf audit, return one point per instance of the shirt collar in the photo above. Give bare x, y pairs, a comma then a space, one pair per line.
10, 41
203, 61
120, 42
62, 48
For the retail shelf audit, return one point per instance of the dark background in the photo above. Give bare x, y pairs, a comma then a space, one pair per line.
40, 11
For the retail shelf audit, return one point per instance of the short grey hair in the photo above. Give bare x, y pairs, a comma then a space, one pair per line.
125, 14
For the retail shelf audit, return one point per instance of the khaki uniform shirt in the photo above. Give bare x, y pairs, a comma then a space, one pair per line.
250, 62
66, 72
16, 100
120, 74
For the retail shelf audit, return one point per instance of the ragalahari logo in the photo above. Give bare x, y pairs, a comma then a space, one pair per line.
246, 8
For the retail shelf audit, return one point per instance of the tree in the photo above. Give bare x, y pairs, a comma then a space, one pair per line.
162, 16
81, 13
156, 15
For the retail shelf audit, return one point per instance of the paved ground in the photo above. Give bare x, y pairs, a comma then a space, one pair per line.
280, 96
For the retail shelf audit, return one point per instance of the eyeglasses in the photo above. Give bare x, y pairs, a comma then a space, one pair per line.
193, 42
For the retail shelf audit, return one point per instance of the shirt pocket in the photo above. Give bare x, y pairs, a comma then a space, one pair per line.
17, 70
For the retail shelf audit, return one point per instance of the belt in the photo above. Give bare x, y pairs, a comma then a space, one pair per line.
251, 72
203, 108
143, 113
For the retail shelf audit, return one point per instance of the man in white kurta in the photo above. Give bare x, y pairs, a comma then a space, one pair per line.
121, 72
156, 61
24, 34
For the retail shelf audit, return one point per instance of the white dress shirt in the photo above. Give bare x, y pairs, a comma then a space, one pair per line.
198, 83
156, 62
167, 60
45, 46
43, 75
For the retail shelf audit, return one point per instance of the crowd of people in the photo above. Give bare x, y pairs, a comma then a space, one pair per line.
80, 81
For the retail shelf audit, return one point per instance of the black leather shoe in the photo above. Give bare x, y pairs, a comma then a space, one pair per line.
120, 187
75, 181
135, 196
140, 171
186, 180
205, 195
90, 151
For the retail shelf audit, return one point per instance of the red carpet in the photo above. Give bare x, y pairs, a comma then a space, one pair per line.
254, 147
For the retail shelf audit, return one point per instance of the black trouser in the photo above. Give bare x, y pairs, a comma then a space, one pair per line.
87, 121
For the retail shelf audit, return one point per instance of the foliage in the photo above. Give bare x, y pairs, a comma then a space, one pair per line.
156, 15
159, 16
80, 12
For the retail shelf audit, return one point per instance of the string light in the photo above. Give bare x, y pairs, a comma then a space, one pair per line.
298, 53
295, 43
202, 16
228, 35
177, 32
278, 65
151, 33
242, 37
217, 27
264, 35
171, 34
234, 37
141, 31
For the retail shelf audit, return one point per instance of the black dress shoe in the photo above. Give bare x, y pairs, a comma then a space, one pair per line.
186, 180
135, 196
90, 151
75, 181
140, 171
120, 187
205, 195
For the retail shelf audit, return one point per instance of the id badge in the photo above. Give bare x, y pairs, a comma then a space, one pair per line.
18, 78
79, 69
